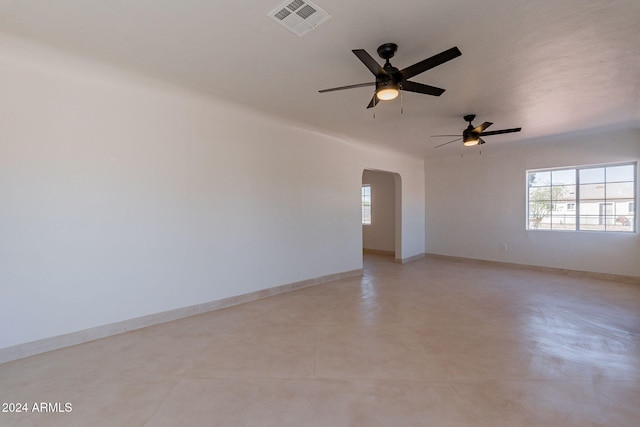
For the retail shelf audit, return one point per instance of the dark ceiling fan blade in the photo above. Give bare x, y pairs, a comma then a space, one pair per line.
374, 101
348, 87
370, 63
457, 139
427, 64
498, 132
421, 88
482, 127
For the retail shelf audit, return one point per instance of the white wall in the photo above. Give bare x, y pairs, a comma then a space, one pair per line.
381, 233
477, 203
121, 196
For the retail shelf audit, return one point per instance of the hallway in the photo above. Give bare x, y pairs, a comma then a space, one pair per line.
435, 342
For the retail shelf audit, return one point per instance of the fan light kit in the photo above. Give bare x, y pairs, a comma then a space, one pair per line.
389, 80
472, 135
469, 141
387, 92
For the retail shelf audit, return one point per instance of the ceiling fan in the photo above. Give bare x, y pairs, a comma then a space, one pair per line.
389, 80
472, 135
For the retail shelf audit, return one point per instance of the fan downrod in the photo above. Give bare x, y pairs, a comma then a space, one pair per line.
387, 50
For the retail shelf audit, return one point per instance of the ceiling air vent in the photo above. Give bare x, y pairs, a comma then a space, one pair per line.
299, 16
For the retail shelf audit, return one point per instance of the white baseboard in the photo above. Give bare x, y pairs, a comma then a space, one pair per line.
409, 259
566, 272
20, 351
378, 251
392, 253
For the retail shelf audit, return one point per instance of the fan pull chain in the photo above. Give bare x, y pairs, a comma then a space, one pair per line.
374, 105
401, 104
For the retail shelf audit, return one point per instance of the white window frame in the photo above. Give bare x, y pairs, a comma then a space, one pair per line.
366, 209
632, 203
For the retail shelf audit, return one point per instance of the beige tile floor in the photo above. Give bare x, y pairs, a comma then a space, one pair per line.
430, 343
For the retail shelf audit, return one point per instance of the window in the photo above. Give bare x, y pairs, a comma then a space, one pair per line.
366, 204
593, 198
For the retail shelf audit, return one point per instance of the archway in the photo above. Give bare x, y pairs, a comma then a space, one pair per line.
382, 234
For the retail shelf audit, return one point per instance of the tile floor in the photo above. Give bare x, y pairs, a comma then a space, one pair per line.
430, 343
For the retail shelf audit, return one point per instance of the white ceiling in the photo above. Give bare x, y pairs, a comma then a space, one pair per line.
549, 66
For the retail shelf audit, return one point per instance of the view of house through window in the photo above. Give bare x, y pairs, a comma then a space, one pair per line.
589, 198
366, 204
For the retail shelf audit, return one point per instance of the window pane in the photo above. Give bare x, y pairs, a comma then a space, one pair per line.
592, 215
620, 193
539, 223
366, 216
539, 193
563, 177
563, 216
619, 190
592, 192
622, 221
591, 175
590, 211
540, 207
565, 221
366, 204
563, 192
620, 173
537, 179
596, 215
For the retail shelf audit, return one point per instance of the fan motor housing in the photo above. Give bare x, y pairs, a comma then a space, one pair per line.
387, 50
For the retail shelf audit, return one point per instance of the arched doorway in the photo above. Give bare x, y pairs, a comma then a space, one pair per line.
381, 229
